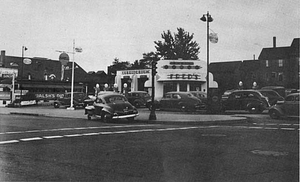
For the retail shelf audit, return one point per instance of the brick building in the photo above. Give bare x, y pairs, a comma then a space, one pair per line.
275, 66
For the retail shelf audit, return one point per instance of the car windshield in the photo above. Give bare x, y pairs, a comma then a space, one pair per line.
270, 93
115, 99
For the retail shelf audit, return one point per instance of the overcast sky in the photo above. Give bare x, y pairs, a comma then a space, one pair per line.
106, 29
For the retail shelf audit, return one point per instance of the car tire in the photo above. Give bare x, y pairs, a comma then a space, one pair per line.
137, 105
274, 114
106, 117
56, 105
89, 117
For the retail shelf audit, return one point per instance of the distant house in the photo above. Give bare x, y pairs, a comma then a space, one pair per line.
276, 66
279, 66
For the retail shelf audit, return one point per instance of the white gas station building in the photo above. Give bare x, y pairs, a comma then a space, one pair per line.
172, 75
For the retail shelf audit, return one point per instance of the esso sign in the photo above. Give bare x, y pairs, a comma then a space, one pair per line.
27, 61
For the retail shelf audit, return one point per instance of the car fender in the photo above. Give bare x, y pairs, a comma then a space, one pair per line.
278, 109
254, 104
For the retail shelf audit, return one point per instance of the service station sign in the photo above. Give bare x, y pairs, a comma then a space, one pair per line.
181, 70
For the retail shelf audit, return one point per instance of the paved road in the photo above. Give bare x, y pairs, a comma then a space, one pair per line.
62, 149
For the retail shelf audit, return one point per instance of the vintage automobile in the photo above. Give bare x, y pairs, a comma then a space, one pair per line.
287, 108
272, 95
138, 98
111, 106
182, 101
78, 100
249, 100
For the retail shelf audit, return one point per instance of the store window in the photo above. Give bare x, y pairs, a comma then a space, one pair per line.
183, 86
170, 87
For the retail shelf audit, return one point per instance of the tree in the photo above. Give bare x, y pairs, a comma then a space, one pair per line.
176, 46
118, 65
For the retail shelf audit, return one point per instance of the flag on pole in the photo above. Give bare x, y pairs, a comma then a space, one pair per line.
213, 37
78, 49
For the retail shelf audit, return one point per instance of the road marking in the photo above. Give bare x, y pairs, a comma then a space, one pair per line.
50, 137
287, 128
9, 141
130, 131
214, 135
31, 139
80, 128
90, 134
253, 127
73, 135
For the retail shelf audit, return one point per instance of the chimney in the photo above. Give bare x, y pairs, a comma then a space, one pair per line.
274, 42
2, 58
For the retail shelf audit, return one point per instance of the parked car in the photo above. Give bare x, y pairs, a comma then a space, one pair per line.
183, 101
226, 94
138, 98
288, 107
249, 100
202, 96
272, 95
78, 100
24, 100
280, 90
111, 106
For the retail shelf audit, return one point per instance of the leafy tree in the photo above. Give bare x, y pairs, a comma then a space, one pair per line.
176, 46
119, 65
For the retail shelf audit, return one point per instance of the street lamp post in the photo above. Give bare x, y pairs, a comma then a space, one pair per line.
207, 18
75, 49
21, 75
152, 115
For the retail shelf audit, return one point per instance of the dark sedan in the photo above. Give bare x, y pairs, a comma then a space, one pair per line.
288, 107
111, 106
182, 101
249, 100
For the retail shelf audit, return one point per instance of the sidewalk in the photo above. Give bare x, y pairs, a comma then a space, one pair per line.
162, 118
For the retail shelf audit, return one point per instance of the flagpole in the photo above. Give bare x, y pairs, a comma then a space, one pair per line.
72, 84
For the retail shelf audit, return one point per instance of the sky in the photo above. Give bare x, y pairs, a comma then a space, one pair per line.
125, 29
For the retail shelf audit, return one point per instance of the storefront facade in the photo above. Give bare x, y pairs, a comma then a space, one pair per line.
172, 75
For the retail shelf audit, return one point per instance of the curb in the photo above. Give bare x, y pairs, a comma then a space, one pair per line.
183, 122
28, 114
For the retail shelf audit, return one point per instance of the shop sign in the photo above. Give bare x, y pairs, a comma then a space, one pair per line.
135, 72
184, 76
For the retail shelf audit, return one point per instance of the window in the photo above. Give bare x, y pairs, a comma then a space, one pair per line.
280, 63
280, 76
267, 77
273, 75
267, 63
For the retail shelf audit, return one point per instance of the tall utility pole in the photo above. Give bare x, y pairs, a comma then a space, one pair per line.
207, 18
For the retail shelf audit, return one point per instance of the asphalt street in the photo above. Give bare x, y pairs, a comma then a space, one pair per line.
64, 149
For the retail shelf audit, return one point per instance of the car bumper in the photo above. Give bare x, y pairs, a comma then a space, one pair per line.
125, 116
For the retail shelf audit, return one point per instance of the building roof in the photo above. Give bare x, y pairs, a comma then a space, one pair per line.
224, 66
274, 53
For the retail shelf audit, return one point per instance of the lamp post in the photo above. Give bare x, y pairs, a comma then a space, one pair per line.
152, 115
21, 75
207, 18
75, 49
